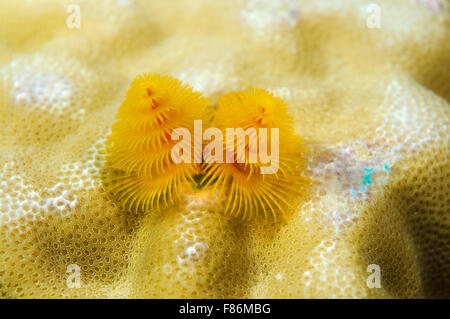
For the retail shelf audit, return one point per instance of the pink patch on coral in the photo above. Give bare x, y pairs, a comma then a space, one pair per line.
433, 4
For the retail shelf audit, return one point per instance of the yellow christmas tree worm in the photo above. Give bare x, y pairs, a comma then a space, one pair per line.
246, 190
139, 148
145, 175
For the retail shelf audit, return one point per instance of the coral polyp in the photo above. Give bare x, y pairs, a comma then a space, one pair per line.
246, 190
138, 153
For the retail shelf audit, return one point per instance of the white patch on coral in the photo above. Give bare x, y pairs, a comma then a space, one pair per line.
48, 91
327, 253
264, 15
61, 198
282, 92
125, 3
84, 175
404, 115
20, 201
345, 175
193, 248
42, 83
434, 5
192, 252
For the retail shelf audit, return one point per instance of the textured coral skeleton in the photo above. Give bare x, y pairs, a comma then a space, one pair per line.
361, 99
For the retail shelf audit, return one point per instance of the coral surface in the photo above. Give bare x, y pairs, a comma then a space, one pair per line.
366, 82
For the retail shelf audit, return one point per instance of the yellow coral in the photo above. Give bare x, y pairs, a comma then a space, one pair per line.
360, 97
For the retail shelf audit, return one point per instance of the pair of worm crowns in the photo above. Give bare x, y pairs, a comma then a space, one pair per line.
144, 175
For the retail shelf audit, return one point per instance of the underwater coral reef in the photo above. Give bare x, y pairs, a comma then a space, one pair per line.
99, 200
